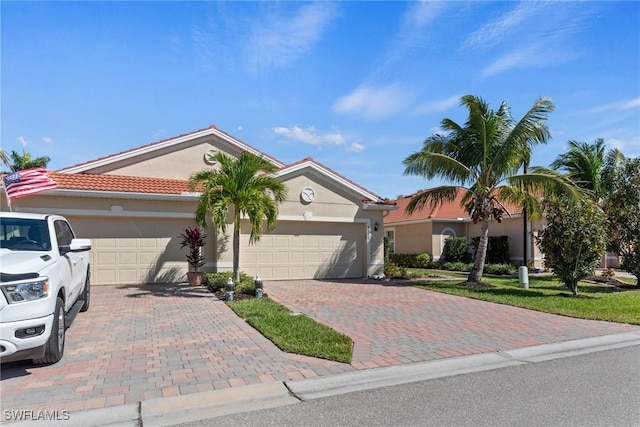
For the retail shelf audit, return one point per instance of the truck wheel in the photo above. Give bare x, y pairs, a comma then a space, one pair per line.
55, 345
86, 294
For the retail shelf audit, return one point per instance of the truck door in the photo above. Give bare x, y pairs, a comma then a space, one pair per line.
76, 262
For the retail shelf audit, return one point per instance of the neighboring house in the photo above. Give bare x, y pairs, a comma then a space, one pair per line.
427, 229
133, 205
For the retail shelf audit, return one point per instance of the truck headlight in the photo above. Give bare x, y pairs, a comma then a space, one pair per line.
23, 292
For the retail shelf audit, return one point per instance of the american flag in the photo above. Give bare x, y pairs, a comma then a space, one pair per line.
27, 182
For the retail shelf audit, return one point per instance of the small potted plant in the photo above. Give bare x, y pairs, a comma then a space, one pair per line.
193, 238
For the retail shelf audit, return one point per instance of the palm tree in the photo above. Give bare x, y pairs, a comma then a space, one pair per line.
243, 186
590, 166
483, 158
23, 161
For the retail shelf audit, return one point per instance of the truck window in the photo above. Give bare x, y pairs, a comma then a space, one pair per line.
64, 235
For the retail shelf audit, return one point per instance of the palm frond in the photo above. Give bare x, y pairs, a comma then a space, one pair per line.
431, 198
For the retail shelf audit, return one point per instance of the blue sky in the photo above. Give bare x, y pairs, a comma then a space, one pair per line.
356, 85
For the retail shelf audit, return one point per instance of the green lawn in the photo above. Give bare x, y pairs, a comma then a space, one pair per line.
546, 293
293, 333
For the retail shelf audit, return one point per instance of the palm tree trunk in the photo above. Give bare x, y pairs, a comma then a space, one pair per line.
236, 247
478, 266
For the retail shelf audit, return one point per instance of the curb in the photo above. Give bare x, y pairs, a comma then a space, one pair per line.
201, 406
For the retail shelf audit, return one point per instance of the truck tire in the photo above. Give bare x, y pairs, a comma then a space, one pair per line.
86, 294
55, 345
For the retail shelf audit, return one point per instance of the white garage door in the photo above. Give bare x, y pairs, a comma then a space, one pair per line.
306, 250
134, 250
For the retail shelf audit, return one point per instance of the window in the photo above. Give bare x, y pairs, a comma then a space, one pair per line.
64, 235
391, 239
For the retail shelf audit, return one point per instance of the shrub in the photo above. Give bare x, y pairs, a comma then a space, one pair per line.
423, 260
497, 249
455, 249
391, 270
218, 281
411, 260
456, 266
609, 273
503, 268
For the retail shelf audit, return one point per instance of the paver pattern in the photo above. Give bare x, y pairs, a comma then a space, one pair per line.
394, 324
143, 342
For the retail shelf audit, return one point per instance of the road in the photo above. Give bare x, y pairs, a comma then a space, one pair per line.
597, 389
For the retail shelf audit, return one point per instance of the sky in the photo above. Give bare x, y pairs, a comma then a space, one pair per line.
356, 85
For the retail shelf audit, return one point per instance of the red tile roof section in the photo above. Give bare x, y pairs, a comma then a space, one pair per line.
119, 183
447, 210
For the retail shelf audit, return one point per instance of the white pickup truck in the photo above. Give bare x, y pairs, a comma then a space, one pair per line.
44, 278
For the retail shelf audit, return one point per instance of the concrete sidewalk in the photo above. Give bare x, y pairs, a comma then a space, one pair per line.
148, 346
200, 406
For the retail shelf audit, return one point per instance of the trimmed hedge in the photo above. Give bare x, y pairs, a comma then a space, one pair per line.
455, 249
497, 249
422, 260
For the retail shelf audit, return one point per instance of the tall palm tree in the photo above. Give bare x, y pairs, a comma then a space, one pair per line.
484, 157
590, 166
243, 186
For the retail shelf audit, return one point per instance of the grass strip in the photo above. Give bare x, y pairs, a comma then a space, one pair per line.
547, 294
293, 333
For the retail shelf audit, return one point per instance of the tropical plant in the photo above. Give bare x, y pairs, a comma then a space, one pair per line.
572, 240
590, 166
484, 157
24, 161
623, 210
243, 187
194, 239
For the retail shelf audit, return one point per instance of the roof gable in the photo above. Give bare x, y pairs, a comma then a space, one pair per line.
310, 164
111, 163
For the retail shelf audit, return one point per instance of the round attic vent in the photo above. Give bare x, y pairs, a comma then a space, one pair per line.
208, 155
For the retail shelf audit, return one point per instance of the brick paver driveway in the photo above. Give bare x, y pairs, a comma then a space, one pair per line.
143, 342
395, 324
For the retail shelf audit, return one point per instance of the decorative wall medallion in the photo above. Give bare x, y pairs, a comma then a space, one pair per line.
307, 195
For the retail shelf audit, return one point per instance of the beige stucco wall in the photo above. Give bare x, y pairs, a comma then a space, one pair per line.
175, 162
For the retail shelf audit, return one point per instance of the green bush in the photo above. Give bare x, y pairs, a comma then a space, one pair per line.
218, 281
499, 268
497, 249
456, 266
422, 260
455, 249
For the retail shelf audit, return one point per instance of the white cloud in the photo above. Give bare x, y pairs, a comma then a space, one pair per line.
310, 135
628, 147
510, 34
240, 127
276, 40
439, 106
618, 106
47, 140
374, 102
356, 148
22, 141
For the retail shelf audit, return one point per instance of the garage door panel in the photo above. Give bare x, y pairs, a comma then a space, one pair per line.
326, 250
152, 255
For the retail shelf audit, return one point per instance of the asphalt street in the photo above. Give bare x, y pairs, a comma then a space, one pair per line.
596, 389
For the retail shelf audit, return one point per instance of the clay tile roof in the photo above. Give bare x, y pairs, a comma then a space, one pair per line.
119, 183
448, 210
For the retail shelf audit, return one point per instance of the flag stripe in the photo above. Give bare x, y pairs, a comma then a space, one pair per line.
27, 182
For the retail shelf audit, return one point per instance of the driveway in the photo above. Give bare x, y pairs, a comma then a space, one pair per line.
138, 343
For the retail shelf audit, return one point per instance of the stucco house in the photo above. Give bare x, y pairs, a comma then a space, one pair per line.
427, 229
134, 205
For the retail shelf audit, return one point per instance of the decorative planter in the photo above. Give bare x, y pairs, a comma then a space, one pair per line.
195, 278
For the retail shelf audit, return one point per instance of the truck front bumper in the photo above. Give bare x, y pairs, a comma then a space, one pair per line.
17, 343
